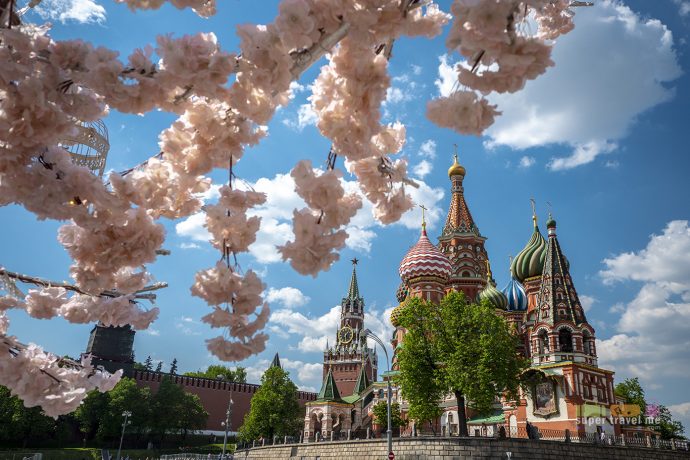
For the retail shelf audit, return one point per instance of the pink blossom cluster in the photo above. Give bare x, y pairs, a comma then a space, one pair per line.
227, 220
317, 229
235, 298
39, 379
501, 56
203, 8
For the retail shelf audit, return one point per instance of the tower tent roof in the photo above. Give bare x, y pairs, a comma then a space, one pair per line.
329, 390
557, 300
362, 382
276, 361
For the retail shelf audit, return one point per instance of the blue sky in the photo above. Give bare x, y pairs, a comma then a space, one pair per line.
602, 137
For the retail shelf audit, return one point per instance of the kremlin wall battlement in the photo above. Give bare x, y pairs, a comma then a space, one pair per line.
214, 395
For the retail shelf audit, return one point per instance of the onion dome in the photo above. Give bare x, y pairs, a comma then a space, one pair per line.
495, 297
530, 261
401, 293
456, 168
424, 259
395, 314
515, 293
551, 223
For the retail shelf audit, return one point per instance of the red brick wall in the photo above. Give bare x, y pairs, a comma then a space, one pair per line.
214, 395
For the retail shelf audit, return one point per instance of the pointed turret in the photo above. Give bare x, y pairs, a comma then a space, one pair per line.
362, 381
459, 219
276, 362
353, 291
329, 390
557, 300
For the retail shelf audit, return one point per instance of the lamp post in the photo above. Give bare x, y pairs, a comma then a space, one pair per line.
389, 433
126, 414
228, 414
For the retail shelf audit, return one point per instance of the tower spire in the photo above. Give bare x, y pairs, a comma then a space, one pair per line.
423, 217
534, 211
353, 291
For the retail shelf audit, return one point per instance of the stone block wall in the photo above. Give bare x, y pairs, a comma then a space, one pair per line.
455, 448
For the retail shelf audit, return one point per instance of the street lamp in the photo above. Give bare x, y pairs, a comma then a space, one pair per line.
389, 433
226, 424
126, 414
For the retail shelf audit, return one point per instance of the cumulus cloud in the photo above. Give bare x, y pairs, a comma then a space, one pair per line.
304, 117
613, 67
422, 169
307, 376
313, 332
526, 162
289, 297
82, 11
653, 332
428, 149
587, 301
276, 217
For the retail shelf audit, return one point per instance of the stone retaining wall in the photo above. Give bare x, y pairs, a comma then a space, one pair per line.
455, 448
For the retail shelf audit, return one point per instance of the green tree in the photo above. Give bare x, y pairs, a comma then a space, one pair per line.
274, 408
239, 374
174, 410
148, 364
633, 393
90, 413
666, 426
27, 424
173, 366
380, 412
457, 348
159, 366
126, 396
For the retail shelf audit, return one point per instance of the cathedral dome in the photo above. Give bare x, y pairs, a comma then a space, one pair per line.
456, 169
424, 259
515, 293
495, 297
395, 314
530, 261
401, 293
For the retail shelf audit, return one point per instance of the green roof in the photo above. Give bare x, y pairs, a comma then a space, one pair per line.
362, 381
353, 291
329, 390
489, 420
352, 398
390, 373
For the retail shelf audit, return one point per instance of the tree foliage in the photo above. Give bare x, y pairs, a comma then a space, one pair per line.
457, 348
658, 416
173, 366
633, 393
274, 408
239, 374
380, 412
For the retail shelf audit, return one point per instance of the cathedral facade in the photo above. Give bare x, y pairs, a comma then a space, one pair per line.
540, 303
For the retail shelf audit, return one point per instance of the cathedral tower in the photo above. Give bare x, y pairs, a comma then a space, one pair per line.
461, 241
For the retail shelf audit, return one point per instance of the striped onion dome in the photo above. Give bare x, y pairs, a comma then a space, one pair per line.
401, 293
424, 259
515, 292
530, 261
495, 297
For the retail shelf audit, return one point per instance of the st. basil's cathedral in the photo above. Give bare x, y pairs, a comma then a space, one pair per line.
539, 302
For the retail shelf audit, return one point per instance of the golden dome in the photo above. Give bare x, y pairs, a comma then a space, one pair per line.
456, 169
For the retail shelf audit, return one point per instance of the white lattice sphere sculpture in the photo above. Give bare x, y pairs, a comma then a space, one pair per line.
89, 145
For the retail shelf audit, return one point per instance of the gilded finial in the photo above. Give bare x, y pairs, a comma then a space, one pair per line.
534, 211
510, 264
488, 271
423, 216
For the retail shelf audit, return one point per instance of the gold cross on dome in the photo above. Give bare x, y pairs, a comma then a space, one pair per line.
424, 208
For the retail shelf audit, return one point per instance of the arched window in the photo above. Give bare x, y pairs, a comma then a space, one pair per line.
587, 343
465, 274
543, 342
565, 340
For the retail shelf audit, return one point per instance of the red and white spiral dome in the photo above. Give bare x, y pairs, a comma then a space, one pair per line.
424, 260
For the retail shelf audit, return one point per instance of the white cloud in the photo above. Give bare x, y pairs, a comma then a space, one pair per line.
448, 77
295, 88
428, 149
396, 95
422, 169
613, 67
83, 11
683, 7
587, 301
289, 297
526, 162
276, 217
187, 326
305, 117
314, 332
153, 332
189, 246
307, 376
653, 332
